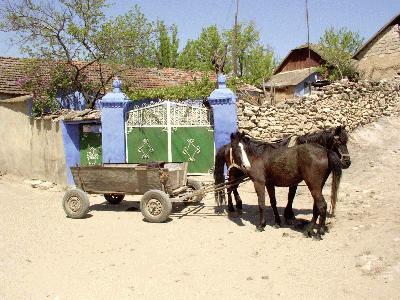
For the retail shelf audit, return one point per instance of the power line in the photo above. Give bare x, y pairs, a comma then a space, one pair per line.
308, 39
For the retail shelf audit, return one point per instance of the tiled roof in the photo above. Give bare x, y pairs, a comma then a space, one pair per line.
12, 71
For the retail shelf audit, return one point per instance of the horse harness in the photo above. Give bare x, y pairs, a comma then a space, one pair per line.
233, 164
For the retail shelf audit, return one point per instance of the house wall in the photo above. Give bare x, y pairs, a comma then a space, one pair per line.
282, 94
299, 59
302, 89
381, 58
30, 148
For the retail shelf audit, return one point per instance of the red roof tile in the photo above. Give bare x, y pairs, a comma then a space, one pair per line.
13, 71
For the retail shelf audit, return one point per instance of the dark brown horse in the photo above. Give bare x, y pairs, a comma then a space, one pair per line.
269, 165
334, 139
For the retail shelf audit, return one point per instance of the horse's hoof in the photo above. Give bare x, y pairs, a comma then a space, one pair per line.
317, 237
277, 226
260, 228
309, 232
239, 212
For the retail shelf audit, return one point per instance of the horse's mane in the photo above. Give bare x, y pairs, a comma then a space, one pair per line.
258, 147
323, 137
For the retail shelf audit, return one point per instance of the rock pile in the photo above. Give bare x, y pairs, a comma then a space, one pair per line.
342, 103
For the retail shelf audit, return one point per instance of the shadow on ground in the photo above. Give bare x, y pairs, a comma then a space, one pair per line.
250, 214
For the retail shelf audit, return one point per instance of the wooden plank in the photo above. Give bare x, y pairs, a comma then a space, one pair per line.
127, 178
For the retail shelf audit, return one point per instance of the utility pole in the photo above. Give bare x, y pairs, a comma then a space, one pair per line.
308, 25
308, 44
234, 40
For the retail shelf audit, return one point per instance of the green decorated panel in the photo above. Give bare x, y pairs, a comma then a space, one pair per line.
90, 148
147, 144
194, 145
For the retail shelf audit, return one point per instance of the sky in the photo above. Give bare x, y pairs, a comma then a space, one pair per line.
281, 23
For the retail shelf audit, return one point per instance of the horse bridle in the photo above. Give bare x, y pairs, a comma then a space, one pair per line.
342, 155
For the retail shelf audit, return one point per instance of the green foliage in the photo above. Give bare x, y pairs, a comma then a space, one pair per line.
44, 94
198, 89
129, 39
247, 39
197, 54
337, 47
259, 65
254, 60
166, 47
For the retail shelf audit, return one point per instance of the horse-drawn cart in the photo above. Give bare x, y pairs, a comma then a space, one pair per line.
159, 183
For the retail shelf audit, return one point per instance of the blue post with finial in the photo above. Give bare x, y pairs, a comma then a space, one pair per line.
113, 107
223, 104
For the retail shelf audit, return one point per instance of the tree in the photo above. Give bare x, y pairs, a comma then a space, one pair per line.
72, 38
337, 47
131, 39
259, 65
60, 34
198, 54
255, 61
166, 47
247, 40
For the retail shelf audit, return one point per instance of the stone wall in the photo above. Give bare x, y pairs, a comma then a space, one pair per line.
345, 103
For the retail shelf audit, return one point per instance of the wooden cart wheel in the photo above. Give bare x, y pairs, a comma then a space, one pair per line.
155, 206
76, 203
114, 198
194, 185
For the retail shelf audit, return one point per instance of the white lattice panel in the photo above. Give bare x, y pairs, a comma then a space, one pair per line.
169, 114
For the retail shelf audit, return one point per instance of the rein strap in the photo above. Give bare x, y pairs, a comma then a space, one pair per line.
232, 161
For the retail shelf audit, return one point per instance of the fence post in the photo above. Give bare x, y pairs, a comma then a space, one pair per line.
223, 104
113, 107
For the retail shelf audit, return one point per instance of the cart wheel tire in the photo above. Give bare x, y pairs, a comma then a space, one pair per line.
76, 203
195, 185
114, 198
155, 206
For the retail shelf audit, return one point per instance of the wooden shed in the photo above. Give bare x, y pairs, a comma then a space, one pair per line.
294, 75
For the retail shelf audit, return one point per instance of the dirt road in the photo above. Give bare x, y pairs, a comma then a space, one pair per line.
199, 254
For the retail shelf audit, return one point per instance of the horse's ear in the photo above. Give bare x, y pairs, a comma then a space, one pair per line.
232, 136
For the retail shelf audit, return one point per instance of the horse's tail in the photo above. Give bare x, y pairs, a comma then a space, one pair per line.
219, 174
336, 168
